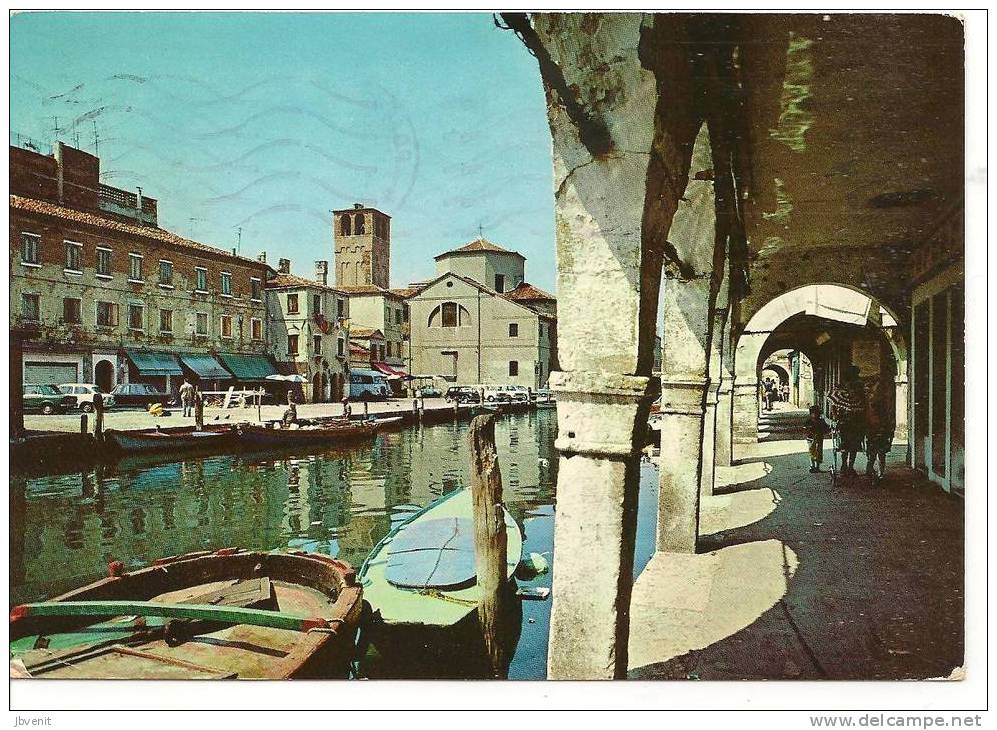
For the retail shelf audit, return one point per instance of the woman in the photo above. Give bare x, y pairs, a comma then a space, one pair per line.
848, 408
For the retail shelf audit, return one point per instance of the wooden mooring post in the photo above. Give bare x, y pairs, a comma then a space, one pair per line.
198, 410
98, 417
490, 540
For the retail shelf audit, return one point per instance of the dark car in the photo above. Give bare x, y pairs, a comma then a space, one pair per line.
139, 394
462, 394
47, 399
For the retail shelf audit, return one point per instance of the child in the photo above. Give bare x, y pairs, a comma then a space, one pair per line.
814, 431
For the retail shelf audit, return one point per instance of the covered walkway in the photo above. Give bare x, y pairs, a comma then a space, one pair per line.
796, 580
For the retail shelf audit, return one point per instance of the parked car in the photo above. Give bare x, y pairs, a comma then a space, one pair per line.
139, 394
368, 385
47, 399
518, 392
84, 393
497, 393
544, 394
431, 392
462, 394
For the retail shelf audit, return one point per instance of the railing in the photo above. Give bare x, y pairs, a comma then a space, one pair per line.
123, 202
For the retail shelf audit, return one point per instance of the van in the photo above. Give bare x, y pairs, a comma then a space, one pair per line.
368, 385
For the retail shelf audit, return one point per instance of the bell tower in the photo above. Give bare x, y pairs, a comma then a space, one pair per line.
362, 246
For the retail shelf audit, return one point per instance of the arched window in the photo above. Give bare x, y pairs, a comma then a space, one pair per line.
359, 227
450, 314
344, 225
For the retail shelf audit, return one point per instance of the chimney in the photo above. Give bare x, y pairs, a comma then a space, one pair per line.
357, 206
322, 272
284, 266
262, 258
59, 172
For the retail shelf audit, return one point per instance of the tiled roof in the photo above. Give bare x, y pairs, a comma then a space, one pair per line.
364, 333
290, 281
408, 291
368, 290
73, 215
479, 244
481, 287
526, 292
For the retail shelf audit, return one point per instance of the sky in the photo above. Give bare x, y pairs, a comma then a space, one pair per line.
267, 122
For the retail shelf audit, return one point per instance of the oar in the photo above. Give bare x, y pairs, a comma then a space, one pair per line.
196, 611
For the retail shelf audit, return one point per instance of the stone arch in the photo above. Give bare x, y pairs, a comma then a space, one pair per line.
831, 301
345, 225
103, 375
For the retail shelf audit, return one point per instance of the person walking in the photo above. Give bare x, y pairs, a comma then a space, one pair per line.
291, 413
187, 398
848, 408
881, 422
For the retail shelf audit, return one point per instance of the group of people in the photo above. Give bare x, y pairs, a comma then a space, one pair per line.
865, 422
772, 392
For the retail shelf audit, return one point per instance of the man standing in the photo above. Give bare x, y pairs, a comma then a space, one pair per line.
881, 422
187, 398
848, 408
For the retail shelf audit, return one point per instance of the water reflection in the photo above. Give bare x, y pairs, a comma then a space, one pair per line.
65, 528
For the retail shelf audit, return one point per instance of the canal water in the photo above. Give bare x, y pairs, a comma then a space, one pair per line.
66, 528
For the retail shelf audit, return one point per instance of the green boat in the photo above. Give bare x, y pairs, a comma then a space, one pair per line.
410, 578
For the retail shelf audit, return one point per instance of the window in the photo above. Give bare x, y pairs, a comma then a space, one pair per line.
72, 310
340, 347
340, 307
200, 279
29, 307
450, 314
226, 284
74, 256
226, 326
513, 368
255, 289
135, 267
398, 316
500, 283
256, 328
165, 320
107, 314
317, 344
344, 225
359, 227
136, 317
316, 304
104, 262
513, 329
405, 313
30, 245
292, 303
201, 324
292, 344
166, 273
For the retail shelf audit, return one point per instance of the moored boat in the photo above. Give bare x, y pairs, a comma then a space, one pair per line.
423, 571
224, 614
178, 439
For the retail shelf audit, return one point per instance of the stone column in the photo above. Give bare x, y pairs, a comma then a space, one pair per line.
684, 375
745, 419
724, 453
902, 408
708, 473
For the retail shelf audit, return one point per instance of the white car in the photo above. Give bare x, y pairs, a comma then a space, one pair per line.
84, 393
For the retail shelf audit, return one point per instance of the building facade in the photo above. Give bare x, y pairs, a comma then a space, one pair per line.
486, 263
309, 331
101, 294
384, 310
467, 333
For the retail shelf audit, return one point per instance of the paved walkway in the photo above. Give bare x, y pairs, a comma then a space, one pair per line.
796, 580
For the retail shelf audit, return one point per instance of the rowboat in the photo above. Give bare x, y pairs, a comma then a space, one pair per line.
332, 435
423, 572
179, 439
206, 615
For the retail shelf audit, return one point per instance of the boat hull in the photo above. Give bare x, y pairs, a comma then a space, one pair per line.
138, 442
260, 437
301, 584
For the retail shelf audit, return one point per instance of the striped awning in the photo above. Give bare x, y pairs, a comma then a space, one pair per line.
154, 363
205, 366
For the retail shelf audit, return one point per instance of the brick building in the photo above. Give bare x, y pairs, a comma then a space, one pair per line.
99, 293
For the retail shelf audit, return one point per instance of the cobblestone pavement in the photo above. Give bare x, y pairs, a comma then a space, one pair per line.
798, 580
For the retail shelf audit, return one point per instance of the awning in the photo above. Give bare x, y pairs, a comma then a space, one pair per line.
154, 363
248, 367
390, 371
205, 366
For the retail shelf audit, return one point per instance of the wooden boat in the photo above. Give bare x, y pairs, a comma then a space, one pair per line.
208, 615
177, 439
331, 435
423, 571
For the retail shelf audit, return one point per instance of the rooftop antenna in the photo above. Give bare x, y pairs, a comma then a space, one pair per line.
56, 128
481, 233
192, 221
239, 244
96, 140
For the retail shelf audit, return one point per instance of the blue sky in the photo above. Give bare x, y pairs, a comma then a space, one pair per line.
269, 121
